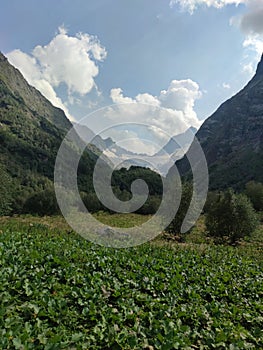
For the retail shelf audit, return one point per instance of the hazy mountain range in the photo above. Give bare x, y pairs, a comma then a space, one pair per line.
119, 157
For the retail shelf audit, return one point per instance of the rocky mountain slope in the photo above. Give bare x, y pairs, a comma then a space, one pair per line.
31, 131
232, 138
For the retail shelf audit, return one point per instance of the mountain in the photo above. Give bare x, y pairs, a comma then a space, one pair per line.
178, 142
119, 157
31, 132
17, 87
232, 138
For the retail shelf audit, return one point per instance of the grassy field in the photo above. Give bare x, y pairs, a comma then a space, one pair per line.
59, 291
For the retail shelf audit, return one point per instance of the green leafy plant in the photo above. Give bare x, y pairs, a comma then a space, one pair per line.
59, 291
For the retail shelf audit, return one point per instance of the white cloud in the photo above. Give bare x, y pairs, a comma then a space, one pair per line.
170, 113
148, 99
117, 96
64, 60
181, 96
254, 42
253, 45
31, 72
129, 140
191, 5
248, 68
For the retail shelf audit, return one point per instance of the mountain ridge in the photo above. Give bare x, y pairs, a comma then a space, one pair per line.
18, 85
232, 138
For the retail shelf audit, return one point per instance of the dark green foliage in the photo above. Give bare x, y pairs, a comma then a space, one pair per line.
151, 205
212, 197
59, 291
123, 179
42, 203
175, 226
6, 188
230, 217
254, 191
92, 202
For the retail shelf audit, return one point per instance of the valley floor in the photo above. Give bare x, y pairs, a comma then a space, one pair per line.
59, 291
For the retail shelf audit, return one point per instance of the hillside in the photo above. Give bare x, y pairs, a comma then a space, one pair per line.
31, 131
232, 138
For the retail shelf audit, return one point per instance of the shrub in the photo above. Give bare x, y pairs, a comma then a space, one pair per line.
42, 203
231, 217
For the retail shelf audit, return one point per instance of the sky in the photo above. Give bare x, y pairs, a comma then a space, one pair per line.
166, 64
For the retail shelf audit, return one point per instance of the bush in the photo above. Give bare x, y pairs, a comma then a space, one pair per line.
42, 203
231, 217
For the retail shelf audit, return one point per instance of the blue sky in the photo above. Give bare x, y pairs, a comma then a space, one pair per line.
135, 50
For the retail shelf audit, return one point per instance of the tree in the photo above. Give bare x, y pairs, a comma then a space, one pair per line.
231, 217
92, 203
175, 225
42, 203
254, 191
6, 189
151, 206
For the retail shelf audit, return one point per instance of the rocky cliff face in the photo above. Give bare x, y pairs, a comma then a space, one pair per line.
32, 98
232, 138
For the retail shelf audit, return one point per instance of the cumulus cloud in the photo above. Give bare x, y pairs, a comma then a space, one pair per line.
255, 43
166, 115
181, 95
117, 96
64, 60
31, 71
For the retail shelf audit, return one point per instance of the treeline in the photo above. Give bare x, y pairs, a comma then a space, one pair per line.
229, 216
35, 195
